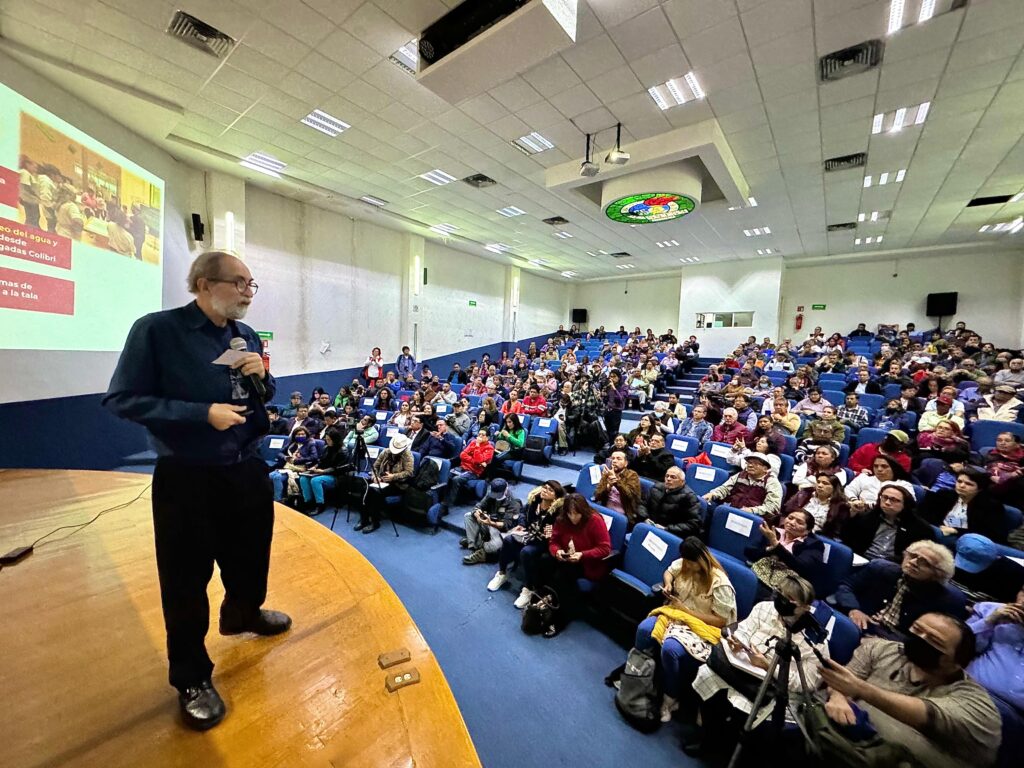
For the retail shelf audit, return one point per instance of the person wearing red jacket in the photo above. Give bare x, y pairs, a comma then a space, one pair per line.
474, 459
513, 404
579, 547
894, 445
534, 404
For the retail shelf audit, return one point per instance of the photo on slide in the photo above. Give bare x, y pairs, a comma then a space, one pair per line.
81, 235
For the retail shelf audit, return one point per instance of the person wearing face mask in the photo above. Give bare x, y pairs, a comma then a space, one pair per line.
884, 599
301, 452
917, 694
753, 641
893, 416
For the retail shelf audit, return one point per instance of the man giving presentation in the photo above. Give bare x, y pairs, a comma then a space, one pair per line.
212, 498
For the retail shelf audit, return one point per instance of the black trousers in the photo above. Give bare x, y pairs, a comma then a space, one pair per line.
202, 515
612, 420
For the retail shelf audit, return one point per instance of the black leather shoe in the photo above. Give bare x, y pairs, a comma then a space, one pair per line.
360, 525
371, 528
263, 623
201, 706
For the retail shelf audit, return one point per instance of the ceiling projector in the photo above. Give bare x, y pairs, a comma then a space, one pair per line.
617, 157
587, 168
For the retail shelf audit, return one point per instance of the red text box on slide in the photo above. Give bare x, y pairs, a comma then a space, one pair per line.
36, 293
10, 187
34, 245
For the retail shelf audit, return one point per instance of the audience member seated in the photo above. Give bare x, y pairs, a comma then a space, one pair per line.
967, 508
619, 487
278, 426
643, 431
885, 530
863, 385
527, 542
944, 442
811, 406
824, 502
918, 696
618, 443
696, 426
1013, 375
393, 468
579, 548
652, 459
662, 417
862, 491
816, 435
676, 409
792, 549
324, 474
884, 599
786, 422
909, 400
402, 416
753, 641
999, 636
1001, 405
511, 432
755, 489
445, 395
730, 429
423, 442
699, 601
292, 409
895, 445
672, 506
458, 420
941, 412
534, 403
823, 461
301, 452
742, 449
497, 513
1005, 462
893, 416
366, 429
829, 416
473, 463
386, 400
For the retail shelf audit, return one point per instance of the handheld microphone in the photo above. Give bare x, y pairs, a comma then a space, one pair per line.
255, 383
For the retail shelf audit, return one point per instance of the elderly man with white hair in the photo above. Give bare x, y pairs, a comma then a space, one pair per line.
729, 430
884, 599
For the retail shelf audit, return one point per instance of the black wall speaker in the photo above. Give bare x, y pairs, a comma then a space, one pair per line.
941, 304
198, 230
579, 315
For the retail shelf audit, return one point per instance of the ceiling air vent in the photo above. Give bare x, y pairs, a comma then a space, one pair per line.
556, 221
846, 162
201, 35
990, 200
620, 255
479, 181
850, 61
841, 227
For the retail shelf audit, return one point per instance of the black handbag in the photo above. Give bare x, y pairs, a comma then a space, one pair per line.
742, 681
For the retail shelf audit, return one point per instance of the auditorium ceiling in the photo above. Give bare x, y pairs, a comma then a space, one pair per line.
755, 61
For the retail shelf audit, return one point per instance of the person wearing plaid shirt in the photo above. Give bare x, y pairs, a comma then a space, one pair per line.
852, 412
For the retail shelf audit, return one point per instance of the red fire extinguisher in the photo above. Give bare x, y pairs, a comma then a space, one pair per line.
799, 321
266, 360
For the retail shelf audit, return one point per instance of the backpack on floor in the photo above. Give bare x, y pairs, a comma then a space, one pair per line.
638, 698
541, 612
533, 449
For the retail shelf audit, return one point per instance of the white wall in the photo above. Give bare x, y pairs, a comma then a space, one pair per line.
29, 375
650, 303
543, 305
990, 289
734, 286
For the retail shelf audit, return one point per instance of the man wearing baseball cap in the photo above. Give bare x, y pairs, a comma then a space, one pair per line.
943, 411
289, 411
1001, 405
982, 571
498, 512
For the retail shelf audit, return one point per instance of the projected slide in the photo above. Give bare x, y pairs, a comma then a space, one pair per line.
81, 235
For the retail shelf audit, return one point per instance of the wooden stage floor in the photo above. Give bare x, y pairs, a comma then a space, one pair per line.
82, 664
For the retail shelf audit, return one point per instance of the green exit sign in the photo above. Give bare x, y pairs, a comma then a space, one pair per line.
472, 303
817, 306
266, 335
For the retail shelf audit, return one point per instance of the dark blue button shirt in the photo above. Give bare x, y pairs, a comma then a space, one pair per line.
166, 381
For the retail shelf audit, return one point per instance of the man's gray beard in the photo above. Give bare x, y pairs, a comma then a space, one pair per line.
230, 310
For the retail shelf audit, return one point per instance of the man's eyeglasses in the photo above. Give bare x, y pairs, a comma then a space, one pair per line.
240, 284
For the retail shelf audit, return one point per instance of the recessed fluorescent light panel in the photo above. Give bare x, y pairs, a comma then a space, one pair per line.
443, 229
538, 262
898, 119
625, 266
757, 231
437, 176
511, 211
264, 163
532, 143
907, 13
325, 123
563, 235
374, 200
690, 260
1013, 227
767, 251
867, 240
1017, 198
676, 91
667, 243
497, 248
873, 216
407, 57
569, 273
886, 177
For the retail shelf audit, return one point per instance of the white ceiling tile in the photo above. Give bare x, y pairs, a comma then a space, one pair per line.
616, 85
414, 15
785, 82
614, 12
509, 127
662, 65
770, 21
341, 47
515, 94
987, 17
960, 81
746, 118
594, 57
728, 73
689, 114
275, 43
923, 67
304, 89
736, 99
794, 49
336, 10
319, 68
991, 47
848, 89
712, 45
298, 20
540, 116
551, 77
484, 109
376, 29
575, 101
688, 17
853, 26
642, 34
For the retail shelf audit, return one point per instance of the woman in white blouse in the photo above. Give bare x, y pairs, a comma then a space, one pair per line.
400, 418
862, 491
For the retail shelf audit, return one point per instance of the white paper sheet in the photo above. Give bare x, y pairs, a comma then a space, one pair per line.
276, 443
392, 431
739, 524
373, 450
704, 473
607, 520
382, 415
741, 660
678, 445
545, 422
230, 357
858, 560
379, 486
720, 450
655, 545
595, 474
827, 552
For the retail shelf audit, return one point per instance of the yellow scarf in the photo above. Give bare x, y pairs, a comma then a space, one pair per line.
666, 615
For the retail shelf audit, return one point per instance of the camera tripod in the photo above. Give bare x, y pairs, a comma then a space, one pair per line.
786, 652
359, 455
